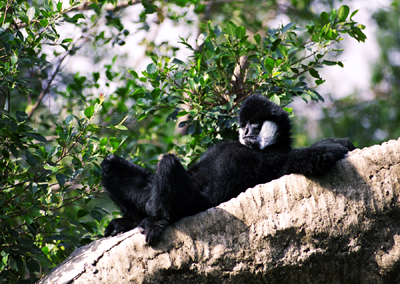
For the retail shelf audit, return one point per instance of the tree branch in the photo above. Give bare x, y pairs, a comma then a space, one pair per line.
47, 89
342, 227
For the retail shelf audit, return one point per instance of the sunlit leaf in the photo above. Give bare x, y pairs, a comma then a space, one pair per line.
230, 28
30, 13
89, 111
201, 38
114, 142
269, 64
343, 12
275, 99
240, 32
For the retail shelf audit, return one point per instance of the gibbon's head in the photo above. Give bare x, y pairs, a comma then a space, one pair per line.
263, 123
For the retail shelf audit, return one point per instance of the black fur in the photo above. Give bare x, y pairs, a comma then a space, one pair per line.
152, 201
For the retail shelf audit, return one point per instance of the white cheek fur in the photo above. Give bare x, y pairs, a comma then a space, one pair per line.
241, 136
267, 134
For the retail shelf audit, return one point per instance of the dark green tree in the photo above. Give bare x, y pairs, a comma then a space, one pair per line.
50, 196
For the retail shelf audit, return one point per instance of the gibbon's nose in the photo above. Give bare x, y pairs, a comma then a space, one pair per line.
247, 129
250, 130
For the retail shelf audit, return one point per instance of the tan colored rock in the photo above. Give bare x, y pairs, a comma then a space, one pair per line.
343, 227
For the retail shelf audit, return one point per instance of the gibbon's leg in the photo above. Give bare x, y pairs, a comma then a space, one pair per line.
173, 196
128, 186
318, 158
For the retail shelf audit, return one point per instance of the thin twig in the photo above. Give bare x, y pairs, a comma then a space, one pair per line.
46, 90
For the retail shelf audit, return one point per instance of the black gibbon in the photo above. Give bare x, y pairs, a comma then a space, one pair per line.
263, 153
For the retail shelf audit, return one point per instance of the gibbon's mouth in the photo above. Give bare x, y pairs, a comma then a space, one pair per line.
250, 137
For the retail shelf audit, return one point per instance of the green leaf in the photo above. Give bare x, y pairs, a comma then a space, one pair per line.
209, 45
282, 49
92, 128
257, 38
30, 13
34, 187
314, 73
230, 29
36, 136
81, 213
51, 168
141, 116
333, 15
353, 14
30, 158
275, 99
315, 38
68, 120
179, 62
201, 39
76, 17
121, 127
4, 27
89, 111
329, 63
14, 59
217, 31
62, 179
192, 129
151, 68
325, 16
52, 151
288, 27
21, 116
192, 84
343, 13
269, 64
65, 40
103, 142
96, 215
240, 32
306, 97
44, 22
114, 142
76, 173
133, 73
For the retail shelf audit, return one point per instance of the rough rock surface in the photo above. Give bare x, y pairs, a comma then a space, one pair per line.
343, 227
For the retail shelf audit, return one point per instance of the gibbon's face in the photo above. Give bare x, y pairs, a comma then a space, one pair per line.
257, 136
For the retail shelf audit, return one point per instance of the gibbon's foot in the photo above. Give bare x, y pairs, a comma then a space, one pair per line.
152, 228
119, 225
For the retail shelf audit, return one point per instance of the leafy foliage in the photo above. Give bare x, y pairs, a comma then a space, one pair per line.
38, 181
373, 121
229, 66
49, 161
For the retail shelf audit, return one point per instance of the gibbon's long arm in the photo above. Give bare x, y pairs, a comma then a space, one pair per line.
318, 158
